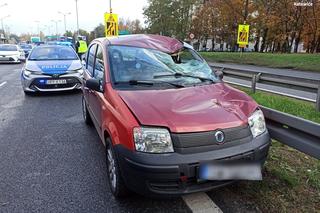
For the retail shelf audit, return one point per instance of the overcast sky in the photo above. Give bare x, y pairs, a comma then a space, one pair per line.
24, 13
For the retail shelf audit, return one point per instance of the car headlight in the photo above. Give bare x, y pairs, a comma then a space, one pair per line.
257, 123
80, 71
152, 140
27, 72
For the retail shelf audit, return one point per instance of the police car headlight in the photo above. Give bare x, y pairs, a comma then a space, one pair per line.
257, 123
26, 73
152, 140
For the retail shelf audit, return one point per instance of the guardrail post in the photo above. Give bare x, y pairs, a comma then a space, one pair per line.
318, 99
255, 79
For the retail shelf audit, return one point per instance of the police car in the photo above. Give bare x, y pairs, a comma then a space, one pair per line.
52, 68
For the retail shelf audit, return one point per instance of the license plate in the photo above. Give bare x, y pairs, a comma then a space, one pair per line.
60, 81
223, 171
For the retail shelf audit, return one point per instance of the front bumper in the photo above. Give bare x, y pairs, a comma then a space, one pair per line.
36, 83
11, 59
175, 174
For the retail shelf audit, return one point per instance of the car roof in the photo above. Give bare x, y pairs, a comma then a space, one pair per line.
157, 42
51, 45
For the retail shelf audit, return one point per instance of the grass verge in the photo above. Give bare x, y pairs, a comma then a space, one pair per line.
306, 62
288, 105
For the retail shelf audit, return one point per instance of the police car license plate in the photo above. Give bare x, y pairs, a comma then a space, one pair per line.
60, 81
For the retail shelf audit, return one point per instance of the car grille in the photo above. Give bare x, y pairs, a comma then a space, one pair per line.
71, 82
205, 141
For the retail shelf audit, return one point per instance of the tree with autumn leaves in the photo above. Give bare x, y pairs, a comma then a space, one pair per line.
275, 25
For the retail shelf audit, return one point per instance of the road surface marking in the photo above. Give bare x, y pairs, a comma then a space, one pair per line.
3, 83
201, 203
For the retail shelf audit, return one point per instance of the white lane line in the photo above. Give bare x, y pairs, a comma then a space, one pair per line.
201, 203
3, 83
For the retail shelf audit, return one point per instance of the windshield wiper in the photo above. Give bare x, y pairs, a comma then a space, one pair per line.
178, 74
149, 83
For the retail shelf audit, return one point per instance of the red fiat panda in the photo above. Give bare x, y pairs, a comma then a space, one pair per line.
170, 125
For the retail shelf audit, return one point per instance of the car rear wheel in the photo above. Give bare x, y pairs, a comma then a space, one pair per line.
85, 113
116, 182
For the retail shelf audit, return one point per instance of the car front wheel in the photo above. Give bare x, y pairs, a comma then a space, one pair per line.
116, 183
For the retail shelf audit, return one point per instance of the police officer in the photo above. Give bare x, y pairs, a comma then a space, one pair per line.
81, 46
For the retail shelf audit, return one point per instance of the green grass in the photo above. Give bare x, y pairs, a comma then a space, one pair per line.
307, 62
292, 106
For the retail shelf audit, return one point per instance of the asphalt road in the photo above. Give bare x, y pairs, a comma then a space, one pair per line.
50, 161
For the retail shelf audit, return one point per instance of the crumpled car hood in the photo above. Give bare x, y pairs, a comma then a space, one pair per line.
192, 109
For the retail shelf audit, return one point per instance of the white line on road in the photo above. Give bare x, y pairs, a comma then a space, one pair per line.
3, 83
201, 203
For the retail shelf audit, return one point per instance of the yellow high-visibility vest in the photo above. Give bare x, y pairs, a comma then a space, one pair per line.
82, 47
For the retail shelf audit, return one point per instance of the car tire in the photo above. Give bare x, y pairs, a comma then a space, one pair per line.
85, 113
27, 93
115, 180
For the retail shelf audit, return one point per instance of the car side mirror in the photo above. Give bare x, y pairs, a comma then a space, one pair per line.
94, 84
219, 74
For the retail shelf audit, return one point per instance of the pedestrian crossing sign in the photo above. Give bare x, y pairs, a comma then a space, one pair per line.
243, 34
111, 24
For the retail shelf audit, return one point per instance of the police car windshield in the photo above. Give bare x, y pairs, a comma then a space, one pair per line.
43, 53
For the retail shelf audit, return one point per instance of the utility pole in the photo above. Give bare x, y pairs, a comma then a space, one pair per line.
78, 31
65, 20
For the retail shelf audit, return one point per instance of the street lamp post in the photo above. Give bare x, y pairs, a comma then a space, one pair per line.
56, 22
64, 18
3, 5
78, 31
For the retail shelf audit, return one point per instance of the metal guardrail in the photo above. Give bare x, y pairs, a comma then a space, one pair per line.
303, 84
293, 131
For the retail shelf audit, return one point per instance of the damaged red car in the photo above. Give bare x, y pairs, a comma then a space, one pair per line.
170, 125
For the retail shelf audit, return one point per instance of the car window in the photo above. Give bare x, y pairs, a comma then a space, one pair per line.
141, 64
99, 64
90, 62
53, 53
6, 47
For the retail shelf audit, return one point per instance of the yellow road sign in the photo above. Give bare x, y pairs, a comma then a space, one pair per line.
243, 34
111, 24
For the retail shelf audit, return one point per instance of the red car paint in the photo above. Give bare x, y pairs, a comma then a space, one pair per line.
192, 109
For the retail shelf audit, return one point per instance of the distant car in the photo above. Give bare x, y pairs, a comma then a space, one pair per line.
51, 68
11, 53
26, 48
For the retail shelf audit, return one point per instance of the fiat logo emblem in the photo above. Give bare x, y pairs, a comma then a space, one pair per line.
219, 137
